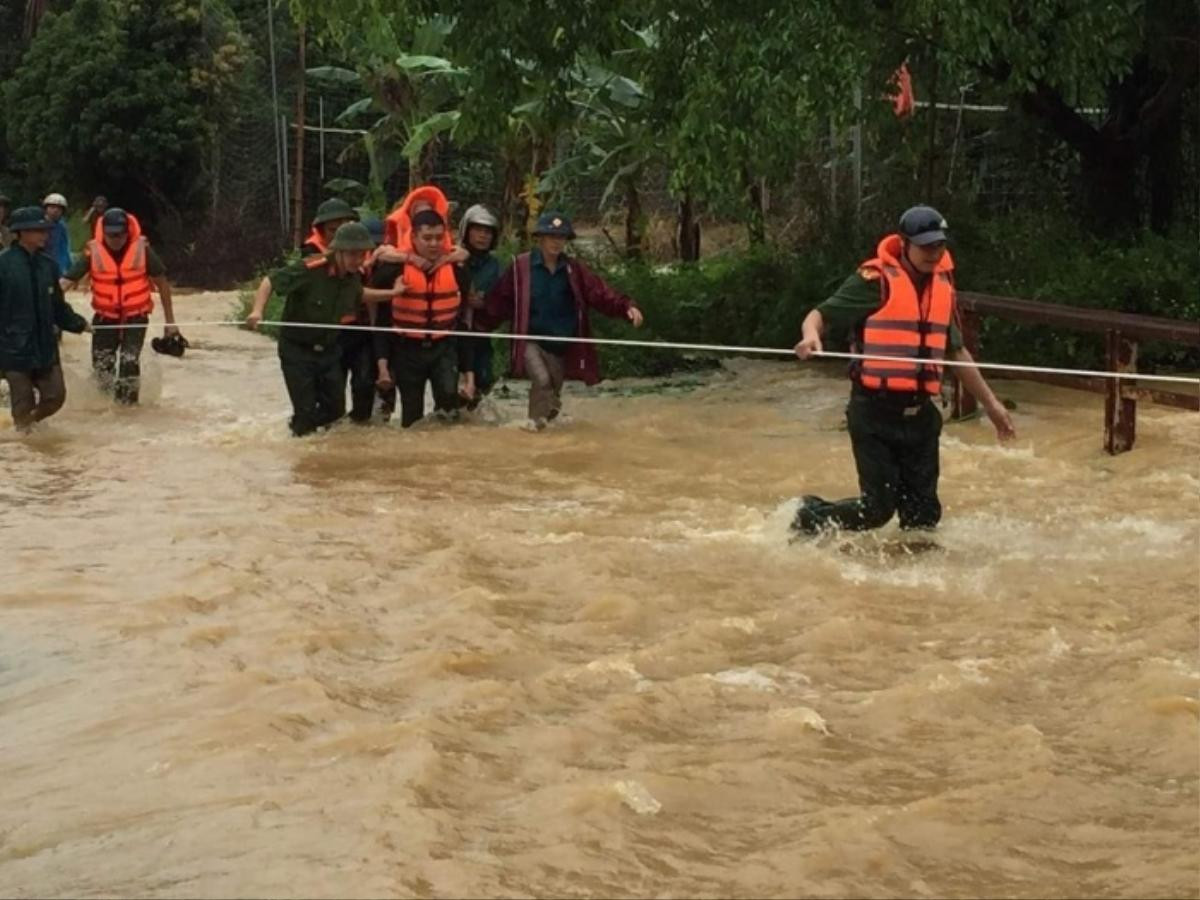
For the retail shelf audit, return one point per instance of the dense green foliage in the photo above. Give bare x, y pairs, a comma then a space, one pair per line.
128, 94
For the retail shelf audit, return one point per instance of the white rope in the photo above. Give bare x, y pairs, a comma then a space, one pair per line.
1045, 370
711, 348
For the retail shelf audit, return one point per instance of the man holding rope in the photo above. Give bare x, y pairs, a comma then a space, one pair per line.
124, 269
318, 292
900, 305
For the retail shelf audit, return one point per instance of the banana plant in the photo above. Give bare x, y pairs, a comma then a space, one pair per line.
415, 100
613, 138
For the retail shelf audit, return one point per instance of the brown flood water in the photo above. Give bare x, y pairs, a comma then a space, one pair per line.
474, 661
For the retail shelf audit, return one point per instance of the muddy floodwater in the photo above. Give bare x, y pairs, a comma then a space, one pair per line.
465, 661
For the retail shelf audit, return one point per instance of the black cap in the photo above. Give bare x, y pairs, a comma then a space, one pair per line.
554, 224
115, 221
923, 225
29, 218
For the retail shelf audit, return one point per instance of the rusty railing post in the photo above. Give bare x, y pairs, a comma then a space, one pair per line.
964, 402
1120, 397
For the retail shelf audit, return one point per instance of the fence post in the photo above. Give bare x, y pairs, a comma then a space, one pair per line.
964, 402
1120, 398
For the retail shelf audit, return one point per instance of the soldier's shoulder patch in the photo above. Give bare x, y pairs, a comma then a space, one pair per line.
869, 273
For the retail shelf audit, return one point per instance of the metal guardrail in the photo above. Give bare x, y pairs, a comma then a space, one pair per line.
1122, 332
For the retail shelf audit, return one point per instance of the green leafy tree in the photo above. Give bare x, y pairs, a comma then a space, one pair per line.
1135, 59
127, 97
612, 138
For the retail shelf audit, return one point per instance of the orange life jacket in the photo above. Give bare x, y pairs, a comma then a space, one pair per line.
317, 240
908, 326
398, 225
120, 290
427, 300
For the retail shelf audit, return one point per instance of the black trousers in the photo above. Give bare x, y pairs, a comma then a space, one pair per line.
117, 356
358, 361
896, 453
315, 383
415, 362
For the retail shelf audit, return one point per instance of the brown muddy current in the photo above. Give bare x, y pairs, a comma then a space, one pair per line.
464, 661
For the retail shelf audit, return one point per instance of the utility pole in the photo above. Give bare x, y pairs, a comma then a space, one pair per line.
298, 180
280, 173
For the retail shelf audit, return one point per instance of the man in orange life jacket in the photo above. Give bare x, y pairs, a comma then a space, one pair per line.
123, 268
899, 304
431, 299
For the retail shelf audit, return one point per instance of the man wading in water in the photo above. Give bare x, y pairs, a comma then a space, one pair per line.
318, 290
546, 293
901, 303
31, 305
124, 270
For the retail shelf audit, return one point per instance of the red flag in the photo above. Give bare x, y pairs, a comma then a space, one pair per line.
903, 99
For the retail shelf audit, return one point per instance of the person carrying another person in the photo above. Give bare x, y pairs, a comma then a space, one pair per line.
545, 293
427, 299
59, 248
31, 305
124, 269
478, 232
317, 291
397, 240
899, 304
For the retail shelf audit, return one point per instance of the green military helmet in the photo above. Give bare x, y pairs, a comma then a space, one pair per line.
333, 209
352, 236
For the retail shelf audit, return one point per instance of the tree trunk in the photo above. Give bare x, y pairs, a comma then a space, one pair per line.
689, 229
635, 220
1142, 122
420, 172
215, 178
541, 158
756, 226
1165, 174
299, 221
512, 207
1110, 188
931, 150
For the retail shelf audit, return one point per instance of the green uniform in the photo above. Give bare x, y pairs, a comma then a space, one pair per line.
311, 358
894, 436
31, 306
